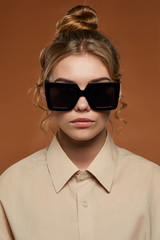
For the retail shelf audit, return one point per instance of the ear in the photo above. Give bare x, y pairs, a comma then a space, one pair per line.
120, 92
43, 95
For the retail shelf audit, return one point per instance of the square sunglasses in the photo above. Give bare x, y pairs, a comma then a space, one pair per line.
64, 96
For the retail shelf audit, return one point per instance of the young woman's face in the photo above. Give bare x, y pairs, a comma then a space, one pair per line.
81, 123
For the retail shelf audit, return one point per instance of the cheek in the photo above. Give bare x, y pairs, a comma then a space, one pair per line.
104, 116
57, 116
60, 117
104, 119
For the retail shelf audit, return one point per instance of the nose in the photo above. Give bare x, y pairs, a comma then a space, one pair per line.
82, 105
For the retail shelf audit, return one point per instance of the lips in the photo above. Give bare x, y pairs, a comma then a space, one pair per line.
82, 122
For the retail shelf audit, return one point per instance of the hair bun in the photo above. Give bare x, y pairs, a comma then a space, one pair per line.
78, 18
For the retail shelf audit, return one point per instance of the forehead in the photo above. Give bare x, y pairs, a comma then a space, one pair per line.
80, 68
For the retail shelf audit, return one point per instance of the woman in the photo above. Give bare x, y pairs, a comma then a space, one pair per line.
82, 186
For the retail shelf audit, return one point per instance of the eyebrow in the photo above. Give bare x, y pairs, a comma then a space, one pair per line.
92, 81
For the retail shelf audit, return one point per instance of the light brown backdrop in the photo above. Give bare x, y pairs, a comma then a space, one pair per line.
27, 26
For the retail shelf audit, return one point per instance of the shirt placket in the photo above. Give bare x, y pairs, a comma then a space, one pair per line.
83, 182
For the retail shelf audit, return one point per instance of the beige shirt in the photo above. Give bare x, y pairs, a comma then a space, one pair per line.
45, 197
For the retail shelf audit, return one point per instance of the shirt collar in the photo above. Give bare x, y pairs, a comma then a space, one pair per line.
103, 167
61, 168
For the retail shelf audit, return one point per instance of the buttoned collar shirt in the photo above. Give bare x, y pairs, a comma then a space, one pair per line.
46, 197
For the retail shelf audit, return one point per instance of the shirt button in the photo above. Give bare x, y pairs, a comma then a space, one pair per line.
85, 204
81, 176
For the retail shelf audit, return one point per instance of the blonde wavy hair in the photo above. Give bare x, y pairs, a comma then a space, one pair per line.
76, 34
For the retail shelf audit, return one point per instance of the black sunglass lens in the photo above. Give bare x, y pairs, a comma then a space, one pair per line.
61, 96
104, 96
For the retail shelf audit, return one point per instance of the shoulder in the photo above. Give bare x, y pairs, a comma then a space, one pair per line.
127, 159
128, 156
23, 169
137, 166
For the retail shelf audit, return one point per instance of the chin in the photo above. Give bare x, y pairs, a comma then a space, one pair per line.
84, 136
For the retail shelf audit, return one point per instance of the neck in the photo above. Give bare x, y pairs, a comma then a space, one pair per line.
81, 153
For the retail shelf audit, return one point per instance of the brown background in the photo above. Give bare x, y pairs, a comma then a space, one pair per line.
28, 26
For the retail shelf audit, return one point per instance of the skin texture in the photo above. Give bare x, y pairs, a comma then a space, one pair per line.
81, 139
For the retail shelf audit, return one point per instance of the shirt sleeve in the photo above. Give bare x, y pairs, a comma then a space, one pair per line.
5, 231
155, 204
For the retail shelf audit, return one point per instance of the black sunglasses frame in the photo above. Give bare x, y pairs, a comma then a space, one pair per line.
78, 93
